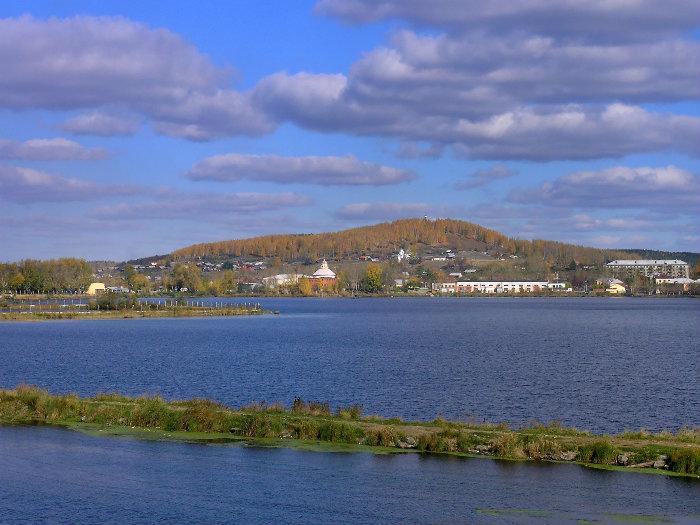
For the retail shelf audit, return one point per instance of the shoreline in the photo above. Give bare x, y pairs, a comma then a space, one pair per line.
313, 426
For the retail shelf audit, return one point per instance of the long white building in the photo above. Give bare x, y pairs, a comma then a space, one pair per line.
497, 287
650, 267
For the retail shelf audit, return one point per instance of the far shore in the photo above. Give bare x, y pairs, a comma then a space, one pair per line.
312, 425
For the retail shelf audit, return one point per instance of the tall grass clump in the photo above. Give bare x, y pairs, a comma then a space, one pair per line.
600, 452
507, 446
312, 408
684, 461
381, 436
350, 412
337, 432
540, 448
261, 426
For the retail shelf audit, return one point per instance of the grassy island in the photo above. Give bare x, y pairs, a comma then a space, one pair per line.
132, 313
313, 425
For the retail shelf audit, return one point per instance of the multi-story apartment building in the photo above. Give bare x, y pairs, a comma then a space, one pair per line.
649, 267
497, 287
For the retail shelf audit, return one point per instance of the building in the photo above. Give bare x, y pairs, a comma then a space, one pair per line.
681, 282
613, 286
323, 277
282, 279
491, 287
649, 267
94, 288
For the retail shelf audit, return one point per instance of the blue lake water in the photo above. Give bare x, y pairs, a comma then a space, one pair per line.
600, 364
58, 476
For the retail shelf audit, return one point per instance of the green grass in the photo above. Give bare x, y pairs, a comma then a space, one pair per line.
313, 423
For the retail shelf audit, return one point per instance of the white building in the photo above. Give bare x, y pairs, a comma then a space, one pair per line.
679, 281
491, 287
282, 279
650, 267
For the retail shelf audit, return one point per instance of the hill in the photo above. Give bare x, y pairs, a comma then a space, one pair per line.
419, 236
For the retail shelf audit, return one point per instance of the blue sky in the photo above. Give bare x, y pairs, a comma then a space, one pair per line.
128, 130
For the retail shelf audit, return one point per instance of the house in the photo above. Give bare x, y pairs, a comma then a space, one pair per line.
94, 288
650, 267
613, 286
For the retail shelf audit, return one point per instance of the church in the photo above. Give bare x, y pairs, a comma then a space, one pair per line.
323, 277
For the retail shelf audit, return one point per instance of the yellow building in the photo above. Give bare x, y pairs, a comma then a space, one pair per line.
95, 287
615, 287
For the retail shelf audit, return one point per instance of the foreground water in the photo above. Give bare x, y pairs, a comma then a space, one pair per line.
58, 476
601, 364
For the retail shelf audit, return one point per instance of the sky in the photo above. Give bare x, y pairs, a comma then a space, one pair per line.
129, 129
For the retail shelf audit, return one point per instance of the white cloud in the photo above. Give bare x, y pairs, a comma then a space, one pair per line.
48, 149
88, 62
194, 207
483, 177
666, 188
101, 124
326, 171
599, 19
24, 185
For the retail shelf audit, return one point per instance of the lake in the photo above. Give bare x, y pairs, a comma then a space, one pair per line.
604, 365
601, 364
57, 476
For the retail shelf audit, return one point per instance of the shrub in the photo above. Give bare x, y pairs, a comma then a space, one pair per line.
600, 452
685, 461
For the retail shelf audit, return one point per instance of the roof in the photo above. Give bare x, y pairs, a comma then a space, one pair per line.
645, 262
324, 272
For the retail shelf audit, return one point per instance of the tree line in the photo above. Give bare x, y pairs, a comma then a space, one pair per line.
56, 275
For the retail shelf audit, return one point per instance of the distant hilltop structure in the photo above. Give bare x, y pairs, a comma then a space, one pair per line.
650, 267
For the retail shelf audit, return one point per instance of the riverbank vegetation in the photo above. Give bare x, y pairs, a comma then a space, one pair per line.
310, 424
129, 310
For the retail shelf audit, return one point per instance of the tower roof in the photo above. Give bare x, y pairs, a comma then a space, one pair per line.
324, 271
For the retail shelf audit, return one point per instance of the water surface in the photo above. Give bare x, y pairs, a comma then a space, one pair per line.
49, 475
605, 364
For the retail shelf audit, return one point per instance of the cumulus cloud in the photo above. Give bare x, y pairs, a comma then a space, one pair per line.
91, 62
325, 171
483, 177
171, 204
25, 186
599, 19
499, 83
539, 133
48, 149
665, 188
101, 124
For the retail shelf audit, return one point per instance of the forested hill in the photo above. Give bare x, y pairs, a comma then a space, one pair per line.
415, 235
